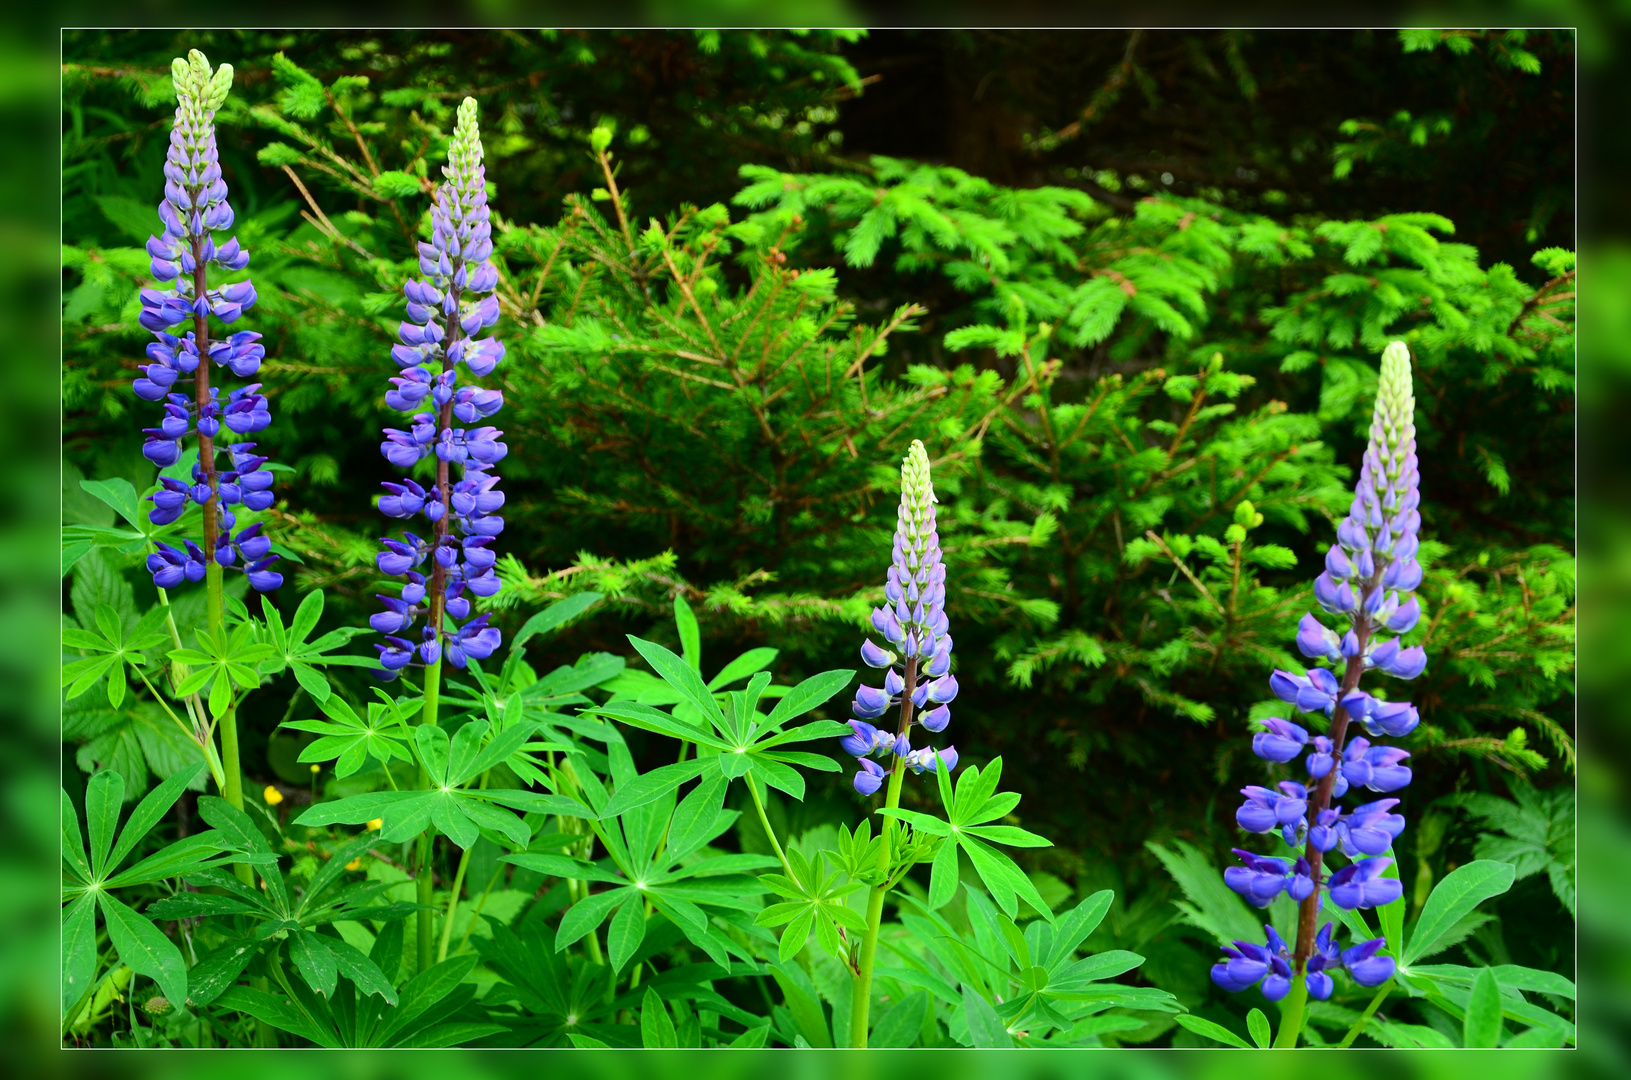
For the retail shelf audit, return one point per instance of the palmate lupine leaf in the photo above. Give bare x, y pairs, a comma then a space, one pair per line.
92, 874
350, 741
116, 649
291, 650
977, 802
733, 741
648, 845
278, 912
457, 810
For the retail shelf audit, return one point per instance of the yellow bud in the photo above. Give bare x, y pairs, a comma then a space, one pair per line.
316, 769
354, 864
272, 795
376, 824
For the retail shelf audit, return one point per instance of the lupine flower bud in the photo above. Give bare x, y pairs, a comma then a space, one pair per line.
1280, 741
1266, 810
1366, 968
870, 777
1370, 829
1360, 884
1261, 879
1314, 692
1316, 642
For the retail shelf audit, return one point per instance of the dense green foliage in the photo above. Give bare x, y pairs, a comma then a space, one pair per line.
1144, 402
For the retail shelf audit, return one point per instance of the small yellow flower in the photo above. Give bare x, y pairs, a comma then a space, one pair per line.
376, 825
354, 864
272, 795
316, 769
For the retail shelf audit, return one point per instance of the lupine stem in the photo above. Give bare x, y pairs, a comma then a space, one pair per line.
758, 804
861, 991
426, 890
1364, 1017
232, 789
480, 904
452, 906
1291, 1015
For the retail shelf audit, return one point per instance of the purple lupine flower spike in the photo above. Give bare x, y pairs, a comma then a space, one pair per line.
195, 206
913, 626
445, 309
1367, 580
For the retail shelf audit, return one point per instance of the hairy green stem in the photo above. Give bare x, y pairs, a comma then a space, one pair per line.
1364, 1017
1291, 1015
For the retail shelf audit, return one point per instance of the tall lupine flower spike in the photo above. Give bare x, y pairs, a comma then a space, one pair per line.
1367, 582
915, 655
446, 309
195, 206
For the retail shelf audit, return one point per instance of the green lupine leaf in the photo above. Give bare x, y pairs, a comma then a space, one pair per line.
682, 677
1462, 890
650, 719
143, 948
943, 877
812, 692
901, 1024
314, 961
553, 616
562, 866
179, 859
150, 811
1258, 1025
651, 786
1209, 1030
795, 935
984, 1028
103, 796
78, 948
656, 1026
1003, 878
361, 970
926, 822
627, 931
73, 844
1007, 835
421, 993
495, 820
748, 663
220, 696
120, 494
685, 620
215, 973
1482, 1028
277, 1012
589, 913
